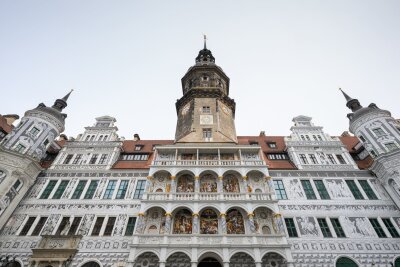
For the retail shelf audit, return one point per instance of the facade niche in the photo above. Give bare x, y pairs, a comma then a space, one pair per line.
183, 222
234, 222
208, 222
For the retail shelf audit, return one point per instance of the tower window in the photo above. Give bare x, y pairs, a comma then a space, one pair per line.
46, 142
373, 153
391, 146
17, 185
206, 109
378, 131
207, 133
34, 131
20, 148
361, 138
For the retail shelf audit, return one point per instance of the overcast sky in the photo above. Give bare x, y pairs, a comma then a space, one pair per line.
126, 59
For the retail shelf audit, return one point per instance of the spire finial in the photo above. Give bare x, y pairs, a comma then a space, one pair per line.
352, 104
60, 104
348, 98
205, 41
65, 98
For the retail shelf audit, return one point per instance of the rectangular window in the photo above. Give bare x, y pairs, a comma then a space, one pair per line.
68, 158
46, 142
74, 225
308, 189
354, 189
60, 190
313, 158
77, 159
337, 227
79, 189
207, 133
103, 159
20, 148
361, 138
291, 227
39, 226
110, 189
326, 232
17, 184
378, 131
27, 226
280, 189
93, 159
131, 226
341, 159
63, 223
34, 131
303, 159
377, 227
319, 138
392, 230
367, 189
323, 193
331, 158
139, 189
92, 188
122, 189
49, 188
391, 146
109, 226
206, 109
97, 226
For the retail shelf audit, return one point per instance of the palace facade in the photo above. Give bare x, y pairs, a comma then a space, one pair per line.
206, 198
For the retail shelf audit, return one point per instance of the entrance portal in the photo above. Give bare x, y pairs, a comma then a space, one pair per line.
209, 262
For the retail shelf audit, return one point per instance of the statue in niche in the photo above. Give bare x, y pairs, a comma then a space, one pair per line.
183, 222
234, 222
185, 184
231, 184
208, 222
208, 184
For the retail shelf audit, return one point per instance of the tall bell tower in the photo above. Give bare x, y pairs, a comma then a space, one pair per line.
205, 112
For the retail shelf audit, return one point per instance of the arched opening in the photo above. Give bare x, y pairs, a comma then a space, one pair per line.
91, 264
234, 222
154, 222
263, 221
397, 262
231, 184
241, 259
185, 183
183, 222
178, 259
208, 183
345, 262
209, 262
147, 259
13, 264
208, 222
273, 259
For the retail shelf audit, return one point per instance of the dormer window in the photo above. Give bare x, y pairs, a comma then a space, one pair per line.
271, 144
138, 147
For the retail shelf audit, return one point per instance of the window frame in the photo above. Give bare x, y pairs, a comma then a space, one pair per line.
291, 227
321, 189
337, 227
279, 190
91, 190
377, 227
139, 191
355, 191
366, 187
308, 189
109, 192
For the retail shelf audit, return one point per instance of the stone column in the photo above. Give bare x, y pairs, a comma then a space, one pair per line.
168, 220
223, 223
162, 264
268, 179
251, 224
195, 224
220, 184
140, 223
226, 264
197, 184
173, 185
279, 223
258, 264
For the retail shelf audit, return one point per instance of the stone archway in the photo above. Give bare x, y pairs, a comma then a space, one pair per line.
273, 259
91, 264
345, 262
241, 259
209, 262
178, 259
147, 259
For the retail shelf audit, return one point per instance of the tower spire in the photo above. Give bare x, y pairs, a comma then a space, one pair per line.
205, 41
352, 104
60, 104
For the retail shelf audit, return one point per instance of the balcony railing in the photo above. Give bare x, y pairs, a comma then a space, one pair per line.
209, 196
208, 163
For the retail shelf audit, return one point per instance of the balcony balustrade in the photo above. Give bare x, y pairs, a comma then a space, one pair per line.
208, 163
209, 196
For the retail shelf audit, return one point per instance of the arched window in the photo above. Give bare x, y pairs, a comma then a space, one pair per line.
100, 138
397, 262
92, 138
105, 138
87, 138
91, 264
345, 262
